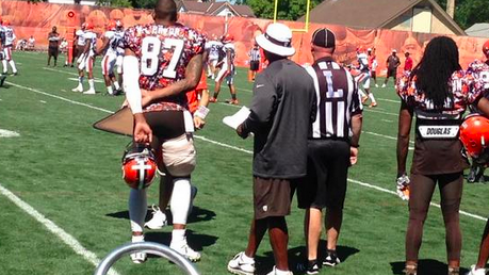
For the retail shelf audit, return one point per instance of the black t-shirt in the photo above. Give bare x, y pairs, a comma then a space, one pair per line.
282, 111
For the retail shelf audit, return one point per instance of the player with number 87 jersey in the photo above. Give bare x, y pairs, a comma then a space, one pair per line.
163, 53
162, 62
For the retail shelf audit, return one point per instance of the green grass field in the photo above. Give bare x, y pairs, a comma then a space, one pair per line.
70, 173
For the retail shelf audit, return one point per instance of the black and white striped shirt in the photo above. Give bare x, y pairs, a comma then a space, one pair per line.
338, 100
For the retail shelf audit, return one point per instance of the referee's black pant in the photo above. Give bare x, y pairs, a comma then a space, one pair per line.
327, 172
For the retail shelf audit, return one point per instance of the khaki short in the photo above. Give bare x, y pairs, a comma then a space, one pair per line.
179, 155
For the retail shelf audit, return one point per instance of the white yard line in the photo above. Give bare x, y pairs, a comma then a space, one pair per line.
53, 228
368, 185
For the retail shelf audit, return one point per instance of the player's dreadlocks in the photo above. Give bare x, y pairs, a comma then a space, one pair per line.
439, 62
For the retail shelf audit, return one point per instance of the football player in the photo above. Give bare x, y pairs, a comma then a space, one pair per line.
2, 42
162, 62
7, 47
213, 48
198, 101
227, 70
363, 79
109, 46
86, 60
119, 33
373, 64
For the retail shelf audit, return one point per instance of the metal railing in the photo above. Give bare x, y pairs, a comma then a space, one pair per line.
150, 248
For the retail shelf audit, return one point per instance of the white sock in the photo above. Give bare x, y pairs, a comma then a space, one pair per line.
4, 64
371, 96
362, 94
180, 200
12, 64
116, 85
281, 272
138, 239
91, 82
178, 235
247, 259
137, 209
110, 90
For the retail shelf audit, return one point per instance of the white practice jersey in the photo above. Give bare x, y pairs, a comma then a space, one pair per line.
9, 36
229, 47
91, 39
112, 47
80, 41
213, 47
119, 36
363, 63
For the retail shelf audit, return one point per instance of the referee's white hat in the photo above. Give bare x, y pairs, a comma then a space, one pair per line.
277, 39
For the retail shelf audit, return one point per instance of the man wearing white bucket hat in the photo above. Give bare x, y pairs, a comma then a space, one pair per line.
282, 110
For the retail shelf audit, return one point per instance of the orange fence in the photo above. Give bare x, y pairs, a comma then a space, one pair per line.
37, 19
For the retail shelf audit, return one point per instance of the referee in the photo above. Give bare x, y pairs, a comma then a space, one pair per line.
332, 148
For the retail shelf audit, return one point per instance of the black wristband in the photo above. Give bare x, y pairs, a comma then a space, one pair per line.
355, 146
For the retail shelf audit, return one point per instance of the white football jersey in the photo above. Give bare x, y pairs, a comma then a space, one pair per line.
214, 47
9, 36
119, 36
91, 39
229, 47
363, 62
110, 35
81, 39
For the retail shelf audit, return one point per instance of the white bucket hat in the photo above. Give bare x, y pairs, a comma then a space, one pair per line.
277, 39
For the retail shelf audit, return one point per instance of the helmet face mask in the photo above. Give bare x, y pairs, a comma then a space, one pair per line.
138, 166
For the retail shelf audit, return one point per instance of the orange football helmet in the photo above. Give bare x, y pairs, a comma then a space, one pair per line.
227, 38
474, 134
89, 26
139, 166
485, 48
111, 26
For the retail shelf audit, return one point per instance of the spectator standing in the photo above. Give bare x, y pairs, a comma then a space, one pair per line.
254, 55
393, 63
53, 50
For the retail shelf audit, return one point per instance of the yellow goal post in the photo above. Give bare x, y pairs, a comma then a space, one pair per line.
308, 10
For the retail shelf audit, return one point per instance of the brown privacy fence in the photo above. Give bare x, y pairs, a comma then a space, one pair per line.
37, 19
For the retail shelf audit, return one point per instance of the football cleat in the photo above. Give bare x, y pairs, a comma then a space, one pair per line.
2, 80
186, 251
138, 257
89, 92
477, 271
364, 99
312, 267
476, 173
383, 86
403, 187
78, 89
373, 105
158, 220
232, 101
139, 166
331, 259
240, 267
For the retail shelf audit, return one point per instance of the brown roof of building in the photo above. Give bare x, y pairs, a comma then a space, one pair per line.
212, 8
367, 14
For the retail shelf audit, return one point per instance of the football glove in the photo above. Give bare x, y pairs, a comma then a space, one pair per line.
402, 187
